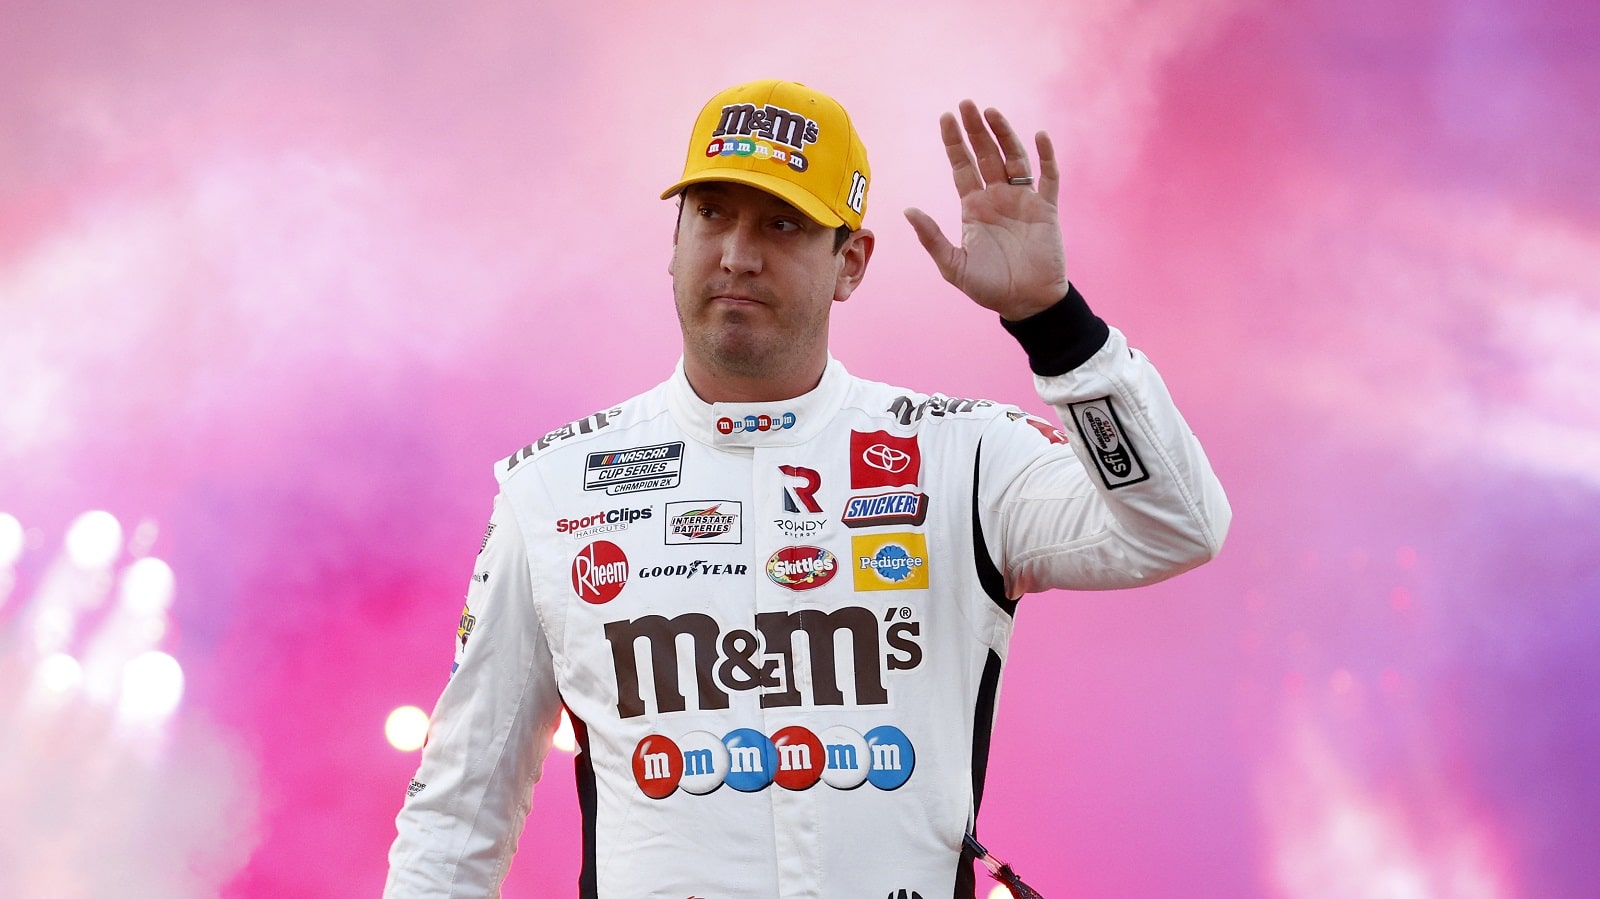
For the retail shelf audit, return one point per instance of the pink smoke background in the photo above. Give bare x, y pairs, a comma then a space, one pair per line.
282, 280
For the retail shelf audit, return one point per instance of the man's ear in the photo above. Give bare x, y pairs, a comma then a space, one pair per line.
675, 223
856, 253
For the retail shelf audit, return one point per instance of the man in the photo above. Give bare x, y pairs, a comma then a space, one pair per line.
776, 599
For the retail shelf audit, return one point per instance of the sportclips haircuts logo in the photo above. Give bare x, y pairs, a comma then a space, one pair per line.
794, 758
764, 659
601, 522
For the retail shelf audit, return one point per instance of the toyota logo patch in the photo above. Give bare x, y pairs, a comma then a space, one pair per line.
886, 458
882, 459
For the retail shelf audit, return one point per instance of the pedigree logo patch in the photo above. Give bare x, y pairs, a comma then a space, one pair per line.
890, 561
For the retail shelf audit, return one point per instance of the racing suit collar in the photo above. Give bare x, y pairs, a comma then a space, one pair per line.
782, 423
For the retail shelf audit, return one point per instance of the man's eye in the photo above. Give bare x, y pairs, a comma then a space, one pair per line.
705, 212
786, 225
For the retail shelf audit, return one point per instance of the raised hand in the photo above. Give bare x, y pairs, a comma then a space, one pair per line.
1010, 259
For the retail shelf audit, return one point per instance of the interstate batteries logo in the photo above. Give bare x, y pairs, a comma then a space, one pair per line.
802, 567
599, 572
704, 522
794, 758
637, 468
890, 561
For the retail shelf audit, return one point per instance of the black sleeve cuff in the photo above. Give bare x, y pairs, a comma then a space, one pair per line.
1062, 337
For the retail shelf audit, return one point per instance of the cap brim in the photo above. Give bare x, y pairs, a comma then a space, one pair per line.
781, 188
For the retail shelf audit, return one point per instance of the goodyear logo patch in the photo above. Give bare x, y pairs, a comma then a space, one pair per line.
890, 561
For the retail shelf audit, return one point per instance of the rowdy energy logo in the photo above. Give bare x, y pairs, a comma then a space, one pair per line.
773, 123
1101, 429
800, 497
699, 522
801, 567
890, 561
880, 459
794, 758
599, 572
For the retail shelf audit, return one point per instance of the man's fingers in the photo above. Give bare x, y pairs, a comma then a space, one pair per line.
962, 167
991, 164
934, 241
1049, 171
1015, 162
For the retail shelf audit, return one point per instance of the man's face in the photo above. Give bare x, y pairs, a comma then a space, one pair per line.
753, 279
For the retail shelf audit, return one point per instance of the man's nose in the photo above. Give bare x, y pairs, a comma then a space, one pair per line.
741, 250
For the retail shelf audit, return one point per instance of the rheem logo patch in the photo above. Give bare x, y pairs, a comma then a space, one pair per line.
599, 572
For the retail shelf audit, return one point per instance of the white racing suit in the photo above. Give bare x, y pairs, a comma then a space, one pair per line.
779, 628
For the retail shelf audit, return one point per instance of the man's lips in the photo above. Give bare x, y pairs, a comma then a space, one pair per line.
736, 298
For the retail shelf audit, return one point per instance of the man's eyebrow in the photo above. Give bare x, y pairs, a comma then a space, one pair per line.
723, 188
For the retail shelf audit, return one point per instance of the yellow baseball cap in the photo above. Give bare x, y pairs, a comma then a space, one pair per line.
786, 139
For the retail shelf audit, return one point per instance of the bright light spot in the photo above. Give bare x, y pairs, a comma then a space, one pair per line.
1333, 834
11, 540
144, 537
407, 728
1000, 891
147, 586
152, 686
94, 539
565, 739
52, 628
59, 673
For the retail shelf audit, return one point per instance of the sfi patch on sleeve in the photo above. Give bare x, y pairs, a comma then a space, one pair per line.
1102, 432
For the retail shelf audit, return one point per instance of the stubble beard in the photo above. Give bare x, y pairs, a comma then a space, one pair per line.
731, 341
